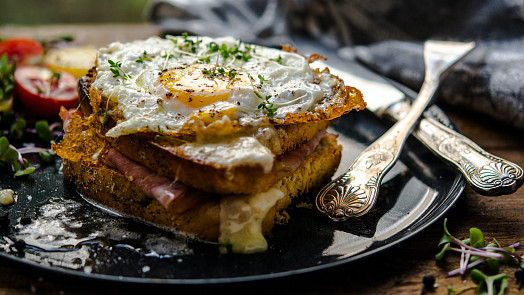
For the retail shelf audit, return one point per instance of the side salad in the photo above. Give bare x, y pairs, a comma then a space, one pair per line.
37, 78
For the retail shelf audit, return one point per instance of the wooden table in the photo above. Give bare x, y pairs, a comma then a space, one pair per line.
396, 271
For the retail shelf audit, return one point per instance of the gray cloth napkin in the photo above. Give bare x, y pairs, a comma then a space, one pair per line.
490, 81
262, 22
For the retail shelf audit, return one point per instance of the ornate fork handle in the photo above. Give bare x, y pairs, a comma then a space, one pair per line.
355, 192
487, 174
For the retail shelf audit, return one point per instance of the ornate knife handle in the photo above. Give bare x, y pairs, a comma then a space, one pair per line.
487, 174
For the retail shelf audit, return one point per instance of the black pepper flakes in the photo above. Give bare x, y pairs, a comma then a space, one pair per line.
25, 220
428, 281
19, 245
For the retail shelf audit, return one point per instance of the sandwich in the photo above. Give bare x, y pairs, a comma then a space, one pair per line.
210, 137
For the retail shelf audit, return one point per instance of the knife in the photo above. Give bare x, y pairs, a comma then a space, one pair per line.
487, 174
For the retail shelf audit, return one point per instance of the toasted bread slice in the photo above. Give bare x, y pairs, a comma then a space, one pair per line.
160, 155
111, 189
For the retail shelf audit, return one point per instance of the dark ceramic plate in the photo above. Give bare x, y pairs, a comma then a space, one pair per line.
67, 235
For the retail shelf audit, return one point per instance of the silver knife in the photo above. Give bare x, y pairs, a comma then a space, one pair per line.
487, 174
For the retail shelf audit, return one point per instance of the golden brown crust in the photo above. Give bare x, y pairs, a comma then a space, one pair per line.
344, 99
160, 155
241, 179
110, 188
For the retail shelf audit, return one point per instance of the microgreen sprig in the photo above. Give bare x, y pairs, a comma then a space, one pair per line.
188, 44
168, 56
160, 131
44, 131
143, 58
270, 107
116, 69
9, 155
219, 71
489, 285
7, 80
474, 251
262, 79
278, 59
227, 52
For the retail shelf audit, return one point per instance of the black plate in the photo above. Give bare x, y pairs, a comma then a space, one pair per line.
68, 235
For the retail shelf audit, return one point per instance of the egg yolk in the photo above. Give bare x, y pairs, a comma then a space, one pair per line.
199, 85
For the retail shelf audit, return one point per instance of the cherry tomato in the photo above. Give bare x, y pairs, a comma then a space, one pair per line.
43, 91
26, 51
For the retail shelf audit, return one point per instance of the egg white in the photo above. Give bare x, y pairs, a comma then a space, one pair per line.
284, 78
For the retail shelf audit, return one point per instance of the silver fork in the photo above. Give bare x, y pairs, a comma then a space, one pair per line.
355, 192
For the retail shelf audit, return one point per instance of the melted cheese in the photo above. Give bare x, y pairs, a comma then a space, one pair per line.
241, 221
230, 153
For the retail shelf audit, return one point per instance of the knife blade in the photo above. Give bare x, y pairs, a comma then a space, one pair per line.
487, 174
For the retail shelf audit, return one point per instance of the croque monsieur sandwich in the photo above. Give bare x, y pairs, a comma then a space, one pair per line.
211, 137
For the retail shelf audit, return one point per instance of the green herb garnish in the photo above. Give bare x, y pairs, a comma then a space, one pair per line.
10, 156
103, 113
278, 59
158, 135
116, 69
168, 56
475, 252
219, 71
7, 80
266, 105
213, 47
188, 45
489, 285
243, 55
44, 132
47, 156
227, 52
262, 79
143, 58
485, 285
17, 128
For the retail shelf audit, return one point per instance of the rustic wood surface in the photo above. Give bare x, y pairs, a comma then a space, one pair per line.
396, 271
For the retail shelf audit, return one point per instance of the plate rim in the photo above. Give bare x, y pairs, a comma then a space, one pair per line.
444, 204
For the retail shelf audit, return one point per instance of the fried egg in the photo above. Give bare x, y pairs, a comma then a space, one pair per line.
166, 84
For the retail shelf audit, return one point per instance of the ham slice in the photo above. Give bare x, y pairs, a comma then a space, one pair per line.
166, 191
294, 158
176, 196
66, 116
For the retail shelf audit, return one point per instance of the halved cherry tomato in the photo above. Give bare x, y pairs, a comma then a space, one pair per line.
43, 91
26, 51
